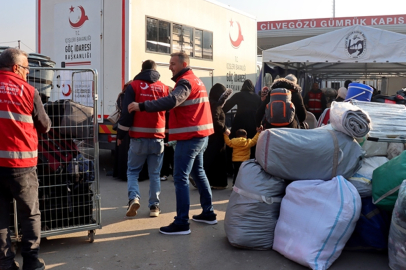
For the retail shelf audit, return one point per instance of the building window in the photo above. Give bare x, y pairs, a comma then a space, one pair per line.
182, 39
207, 45
158, 36
166, 37
335, 85
199, 43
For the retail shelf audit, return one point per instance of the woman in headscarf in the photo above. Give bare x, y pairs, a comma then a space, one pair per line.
214, 159
289, 83
247, 102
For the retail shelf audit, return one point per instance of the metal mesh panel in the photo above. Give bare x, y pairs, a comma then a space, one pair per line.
68, 153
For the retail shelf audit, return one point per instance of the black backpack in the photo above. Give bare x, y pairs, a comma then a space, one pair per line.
280, 111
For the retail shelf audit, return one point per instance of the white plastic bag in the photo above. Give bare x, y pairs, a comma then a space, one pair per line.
395, 149
363, 177
316, 220
374, 148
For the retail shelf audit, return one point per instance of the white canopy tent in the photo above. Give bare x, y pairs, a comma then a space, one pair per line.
351, 52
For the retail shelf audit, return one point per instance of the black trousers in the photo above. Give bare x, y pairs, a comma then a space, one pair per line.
24, 189
236, 165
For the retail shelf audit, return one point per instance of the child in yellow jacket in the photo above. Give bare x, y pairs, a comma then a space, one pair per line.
241, 147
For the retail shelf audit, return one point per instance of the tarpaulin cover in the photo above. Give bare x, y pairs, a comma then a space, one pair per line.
387, 119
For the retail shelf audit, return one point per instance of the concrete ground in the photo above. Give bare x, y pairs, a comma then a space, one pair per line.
137, 243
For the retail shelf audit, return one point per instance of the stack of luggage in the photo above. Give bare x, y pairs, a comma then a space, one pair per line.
65, 175
339, 193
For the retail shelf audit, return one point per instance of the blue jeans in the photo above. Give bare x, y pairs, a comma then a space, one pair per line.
141, 150
189, 160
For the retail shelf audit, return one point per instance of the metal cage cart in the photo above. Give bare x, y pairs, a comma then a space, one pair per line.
68, 155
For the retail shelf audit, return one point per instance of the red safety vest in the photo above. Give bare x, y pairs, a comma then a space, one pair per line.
315, 102
19, 142
145, 124
193, 117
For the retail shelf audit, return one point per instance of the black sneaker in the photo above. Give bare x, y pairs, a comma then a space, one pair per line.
133, 206
154, 211
209, 219
14, 266
39, 264
175, 229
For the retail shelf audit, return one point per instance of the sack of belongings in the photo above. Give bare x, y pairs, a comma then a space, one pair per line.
386, 181
77, 120
362, 179
253, 208
397, 233
349, 119
316, 220
307, 154
372, 229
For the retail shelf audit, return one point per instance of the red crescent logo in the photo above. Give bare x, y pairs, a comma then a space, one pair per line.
145, 87
69, 91
236, 43
81, 20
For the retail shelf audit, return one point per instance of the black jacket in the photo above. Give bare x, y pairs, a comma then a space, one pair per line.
214, 158
247, 104
297, 100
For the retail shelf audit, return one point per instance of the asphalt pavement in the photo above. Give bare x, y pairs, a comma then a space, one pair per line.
137, 244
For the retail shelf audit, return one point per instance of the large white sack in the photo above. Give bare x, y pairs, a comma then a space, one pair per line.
362, 179
253, 208
316, 220
293, 154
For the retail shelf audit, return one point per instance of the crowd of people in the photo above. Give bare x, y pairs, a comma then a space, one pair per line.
184, 122
187, 127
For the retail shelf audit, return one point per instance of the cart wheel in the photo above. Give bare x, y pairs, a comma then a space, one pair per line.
90, 236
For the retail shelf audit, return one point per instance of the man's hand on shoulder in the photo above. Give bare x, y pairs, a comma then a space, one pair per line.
133, 107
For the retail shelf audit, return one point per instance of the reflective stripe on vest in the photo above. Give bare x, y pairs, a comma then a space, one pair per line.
315, 99
147, 130
16, 117
18, 155
194, 101
190, 129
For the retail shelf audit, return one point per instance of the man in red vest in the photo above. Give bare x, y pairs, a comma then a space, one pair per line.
190, 124
315, 101
147, 133
22, 115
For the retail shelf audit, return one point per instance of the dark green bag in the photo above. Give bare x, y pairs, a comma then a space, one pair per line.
386, 181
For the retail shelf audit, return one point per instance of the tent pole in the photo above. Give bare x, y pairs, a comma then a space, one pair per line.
262, 74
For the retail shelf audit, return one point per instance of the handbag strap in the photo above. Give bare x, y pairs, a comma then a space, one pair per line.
390, 192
